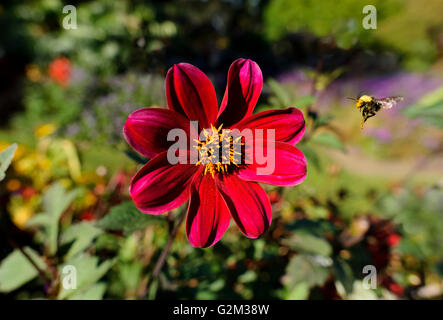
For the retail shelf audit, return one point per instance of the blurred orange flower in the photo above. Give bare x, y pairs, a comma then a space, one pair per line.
33, 73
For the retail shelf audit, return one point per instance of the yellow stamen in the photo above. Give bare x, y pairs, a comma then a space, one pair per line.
209, 150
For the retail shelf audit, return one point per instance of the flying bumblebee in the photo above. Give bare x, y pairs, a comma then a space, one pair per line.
369, 106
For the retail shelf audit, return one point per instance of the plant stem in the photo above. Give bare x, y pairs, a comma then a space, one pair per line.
164, 254
41, 272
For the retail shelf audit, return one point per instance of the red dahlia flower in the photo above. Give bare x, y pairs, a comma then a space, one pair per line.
216, 192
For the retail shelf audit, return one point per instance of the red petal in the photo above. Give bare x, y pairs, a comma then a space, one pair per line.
208, 217
245, 82
146, 130
289, 167
289, 124
159, 186
248, 203
190, 92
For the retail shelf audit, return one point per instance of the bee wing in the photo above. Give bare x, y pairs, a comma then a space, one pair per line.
389, 102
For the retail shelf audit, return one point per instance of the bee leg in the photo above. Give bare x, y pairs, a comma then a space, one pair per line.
370, 114
364, 114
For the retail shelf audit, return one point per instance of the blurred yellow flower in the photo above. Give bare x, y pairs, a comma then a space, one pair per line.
21, 209
45, 130
21, 215
90, 199
23, 166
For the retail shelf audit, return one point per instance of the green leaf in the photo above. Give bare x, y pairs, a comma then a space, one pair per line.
304, 101
152, 293
95, 292
16, 269
126, 217
81, 234
217, 285
88, 272
248, 276
305, 268
6, 158
283, 97
316, 227
308, 243
130, 274
430, 108
323, 119
299, 292
343, 273
329, 140
359, 292
311, 155
55, 201
432, 98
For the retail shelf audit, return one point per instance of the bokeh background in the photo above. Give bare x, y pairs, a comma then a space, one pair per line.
371, 197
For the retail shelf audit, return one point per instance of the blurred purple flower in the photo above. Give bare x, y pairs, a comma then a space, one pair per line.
383, 135
79, 76
431, 143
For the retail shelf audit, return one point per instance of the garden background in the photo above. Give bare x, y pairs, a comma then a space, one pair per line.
371, 196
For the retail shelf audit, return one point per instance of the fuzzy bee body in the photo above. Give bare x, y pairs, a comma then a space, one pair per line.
369, 106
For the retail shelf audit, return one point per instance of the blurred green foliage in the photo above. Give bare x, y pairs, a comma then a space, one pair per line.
429, 108
342, 20
414, 31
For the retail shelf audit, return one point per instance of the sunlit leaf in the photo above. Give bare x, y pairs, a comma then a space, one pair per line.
305, 268
95, 292
429, 108
358, 292
298, 292
308, 243
88, 271
304, 101
5, 159
81, 234
55, 201
16, 269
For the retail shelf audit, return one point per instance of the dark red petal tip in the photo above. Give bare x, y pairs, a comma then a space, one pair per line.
245, 82
248, 203
190, 92
208, 217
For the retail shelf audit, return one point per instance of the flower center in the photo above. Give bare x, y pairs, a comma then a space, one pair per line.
219, 150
